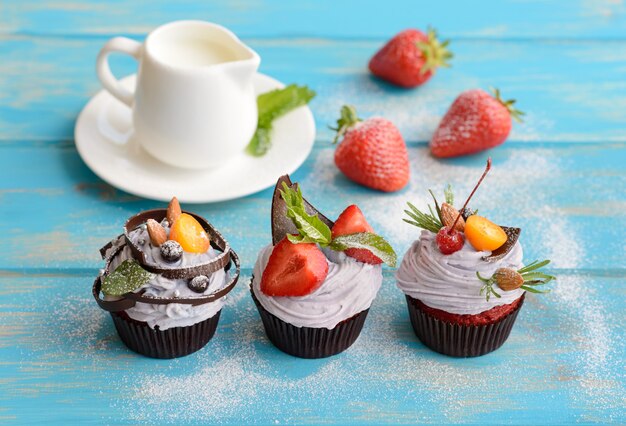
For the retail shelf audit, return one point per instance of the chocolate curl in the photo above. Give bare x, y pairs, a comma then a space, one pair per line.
281, 224
504, 249
129, 300
172, 272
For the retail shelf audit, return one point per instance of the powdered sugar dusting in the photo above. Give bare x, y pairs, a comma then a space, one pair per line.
562, 245
387, 368
416, 117
598, 349
564, 343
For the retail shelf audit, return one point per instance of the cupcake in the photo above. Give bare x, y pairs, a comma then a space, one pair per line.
314, 285
464, 279
164, 281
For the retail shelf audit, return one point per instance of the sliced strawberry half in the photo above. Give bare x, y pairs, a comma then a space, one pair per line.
352, 221
294, 269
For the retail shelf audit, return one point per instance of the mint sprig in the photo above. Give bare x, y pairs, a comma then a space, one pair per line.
311, 229
272, 105
126, 278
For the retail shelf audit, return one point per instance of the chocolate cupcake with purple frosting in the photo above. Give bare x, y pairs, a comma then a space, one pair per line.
165, 281
314, 285
464, 279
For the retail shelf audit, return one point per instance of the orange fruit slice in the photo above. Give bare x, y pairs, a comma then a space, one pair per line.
188, 232
483, 234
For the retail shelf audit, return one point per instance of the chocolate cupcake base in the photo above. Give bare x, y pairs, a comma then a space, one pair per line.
460, 340
310, 342
165, 344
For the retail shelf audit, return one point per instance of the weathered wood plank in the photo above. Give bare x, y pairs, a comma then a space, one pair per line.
563, 363
569, 200
345, 19
572, 91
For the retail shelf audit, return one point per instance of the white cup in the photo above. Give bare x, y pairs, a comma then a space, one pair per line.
194, 105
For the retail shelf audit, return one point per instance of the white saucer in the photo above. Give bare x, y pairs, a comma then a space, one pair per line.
103, 139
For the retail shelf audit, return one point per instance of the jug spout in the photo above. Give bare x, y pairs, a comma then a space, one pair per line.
246, 67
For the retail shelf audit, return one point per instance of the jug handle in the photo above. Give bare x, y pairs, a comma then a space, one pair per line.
108, 80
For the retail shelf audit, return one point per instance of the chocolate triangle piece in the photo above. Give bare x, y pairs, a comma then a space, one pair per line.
504, 249
281, 224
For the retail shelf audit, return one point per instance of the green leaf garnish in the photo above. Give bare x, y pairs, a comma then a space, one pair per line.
369, 241
127, 277
311, 229
272, 105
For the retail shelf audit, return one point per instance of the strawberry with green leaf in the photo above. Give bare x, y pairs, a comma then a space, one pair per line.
410, 58
297, 266
476, 121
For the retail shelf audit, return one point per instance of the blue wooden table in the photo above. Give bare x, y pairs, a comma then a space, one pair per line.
561, 177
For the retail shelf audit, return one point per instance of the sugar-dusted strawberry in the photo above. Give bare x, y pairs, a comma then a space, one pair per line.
372, 152
294, 269
410, 58
476, 121
352, 221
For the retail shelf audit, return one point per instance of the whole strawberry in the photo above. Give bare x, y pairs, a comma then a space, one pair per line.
476, 121
410, 58
372, 152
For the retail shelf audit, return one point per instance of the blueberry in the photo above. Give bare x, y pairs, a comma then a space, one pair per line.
199, 284
171, 251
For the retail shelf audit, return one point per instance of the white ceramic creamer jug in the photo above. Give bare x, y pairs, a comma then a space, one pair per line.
194, 104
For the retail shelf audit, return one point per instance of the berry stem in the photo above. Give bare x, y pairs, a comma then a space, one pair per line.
487, 168
348, 119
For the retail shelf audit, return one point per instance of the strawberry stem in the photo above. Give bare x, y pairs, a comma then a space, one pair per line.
435, 53
515, 113
487, 168
348, 119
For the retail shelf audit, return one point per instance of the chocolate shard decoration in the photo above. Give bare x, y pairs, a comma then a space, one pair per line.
281, 224
500, 252
112, 247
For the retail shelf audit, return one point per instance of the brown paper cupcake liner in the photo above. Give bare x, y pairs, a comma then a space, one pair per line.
309, 342
171, 343
459, 340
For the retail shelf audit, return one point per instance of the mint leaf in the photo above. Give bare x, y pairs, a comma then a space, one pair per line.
366, 240
279, 102
260, 143
310, 227
127, 277
272, 105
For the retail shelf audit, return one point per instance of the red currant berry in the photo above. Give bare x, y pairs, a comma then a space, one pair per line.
449, 240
